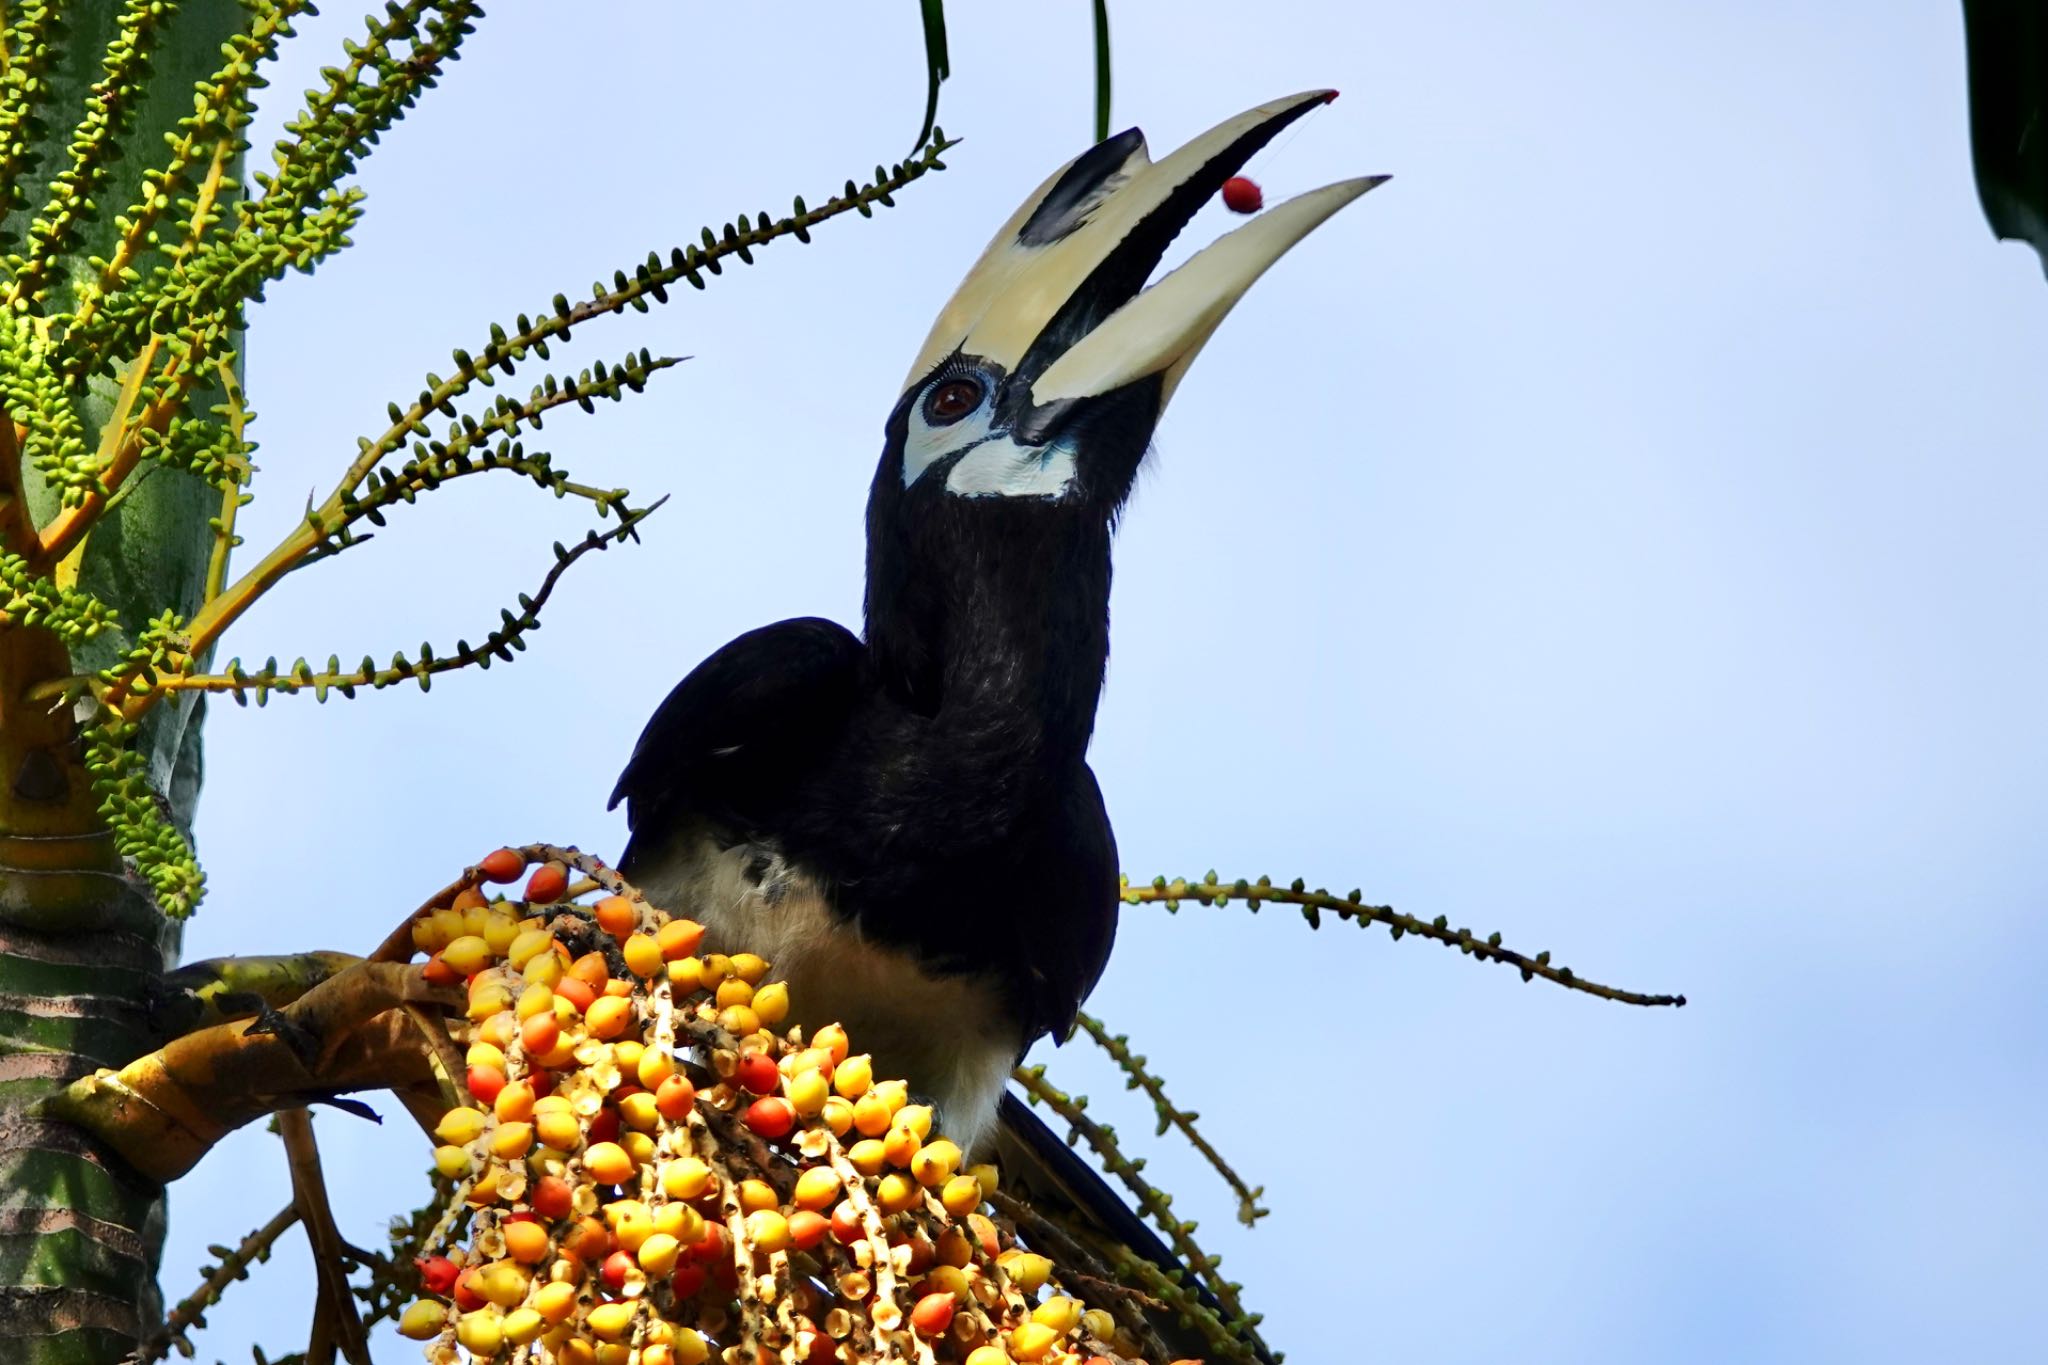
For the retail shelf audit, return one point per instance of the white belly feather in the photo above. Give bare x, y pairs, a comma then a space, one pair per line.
945, 1035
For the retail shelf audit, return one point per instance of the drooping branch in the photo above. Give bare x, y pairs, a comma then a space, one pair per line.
1172, 1116
1210, 890
164, 1111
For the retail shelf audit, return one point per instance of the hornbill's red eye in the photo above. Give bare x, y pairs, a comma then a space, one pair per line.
952, 400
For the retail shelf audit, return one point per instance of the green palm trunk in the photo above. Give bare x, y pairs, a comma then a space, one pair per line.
83, 948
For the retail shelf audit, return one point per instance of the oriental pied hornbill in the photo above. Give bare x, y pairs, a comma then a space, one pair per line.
906, 824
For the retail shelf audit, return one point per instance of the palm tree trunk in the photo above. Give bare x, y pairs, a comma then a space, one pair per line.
83, 948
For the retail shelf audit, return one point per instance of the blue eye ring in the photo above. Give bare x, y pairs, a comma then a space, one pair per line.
952, 400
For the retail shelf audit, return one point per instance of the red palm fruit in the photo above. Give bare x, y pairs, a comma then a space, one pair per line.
616, 916
711, 1248
552, 1197
757, 1072
604, 1126
688, 1279
1242, 196
485, 1082
807, 1228
675, 1098
439, 973
466, 1297
846, 1228
617, 1267
547, 884
576, 991
502, 866
771, 1116
933, 1314
437, 1273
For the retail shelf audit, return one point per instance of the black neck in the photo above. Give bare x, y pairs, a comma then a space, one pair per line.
991, 617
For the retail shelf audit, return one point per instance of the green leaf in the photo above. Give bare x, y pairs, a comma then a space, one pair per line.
1101, 69
937, 65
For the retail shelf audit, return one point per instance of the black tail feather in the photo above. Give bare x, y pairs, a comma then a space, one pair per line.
1039, 1165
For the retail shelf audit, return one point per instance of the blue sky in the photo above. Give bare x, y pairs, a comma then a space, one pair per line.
1622, 531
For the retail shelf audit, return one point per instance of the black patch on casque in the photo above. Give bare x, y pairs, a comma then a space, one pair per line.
1123, 272
1065, 206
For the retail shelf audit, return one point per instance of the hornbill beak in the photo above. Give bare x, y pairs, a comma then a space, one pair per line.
1055, 300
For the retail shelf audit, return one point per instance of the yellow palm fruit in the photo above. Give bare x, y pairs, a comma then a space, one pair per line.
807, 1092
523, 1325
609, 1016
427, 936
484, 1054
474, 913
481, 1332
686, 974
511, 1141
871, 1115
1031, 1340
638, 1110
916, 1117
733, 991
543, 969
452, 1162
535, 999
681, 1222
961, 1195
514, 1103
643, 955
756, 1195
426, 1318
868, 1157
853, 1076
817, 1188
985, 1175
627, 1053
739, 1020
955, 1248
607, 1162
893, 1093
555, 1301
467, 954
896, 1193
653, 1067
771, 1003
639, 1146
502, 1282
460, 1126
947, 1279
833, 1039
575, 1351
900, 1146
633, 1230
1027, 1270
717, 967
526, 946
557, 1128
987, 1355
749, 967
657, 1255
1059, 1312
609, 1321
838, 1115
500, 930
486, 998
768, 1230
685, 1178
935, 1162
1098, 1324
448, 925
690, 1347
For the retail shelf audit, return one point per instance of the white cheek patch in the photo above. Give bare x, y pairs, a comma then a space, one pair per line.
1000, 468
925, 445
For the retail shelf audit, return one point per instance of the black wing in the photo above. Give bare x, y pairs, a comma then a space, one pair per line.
734, 737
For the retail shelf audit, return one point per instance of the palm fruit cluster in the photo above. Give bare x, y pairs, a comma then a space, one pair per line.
650, 1169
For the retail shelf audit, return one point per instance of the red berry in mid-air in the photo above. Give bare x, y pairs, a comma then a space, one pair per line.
1243, 196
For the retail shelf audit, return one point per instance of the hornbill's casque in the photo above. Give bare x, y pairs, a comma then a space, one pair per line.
906, 824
